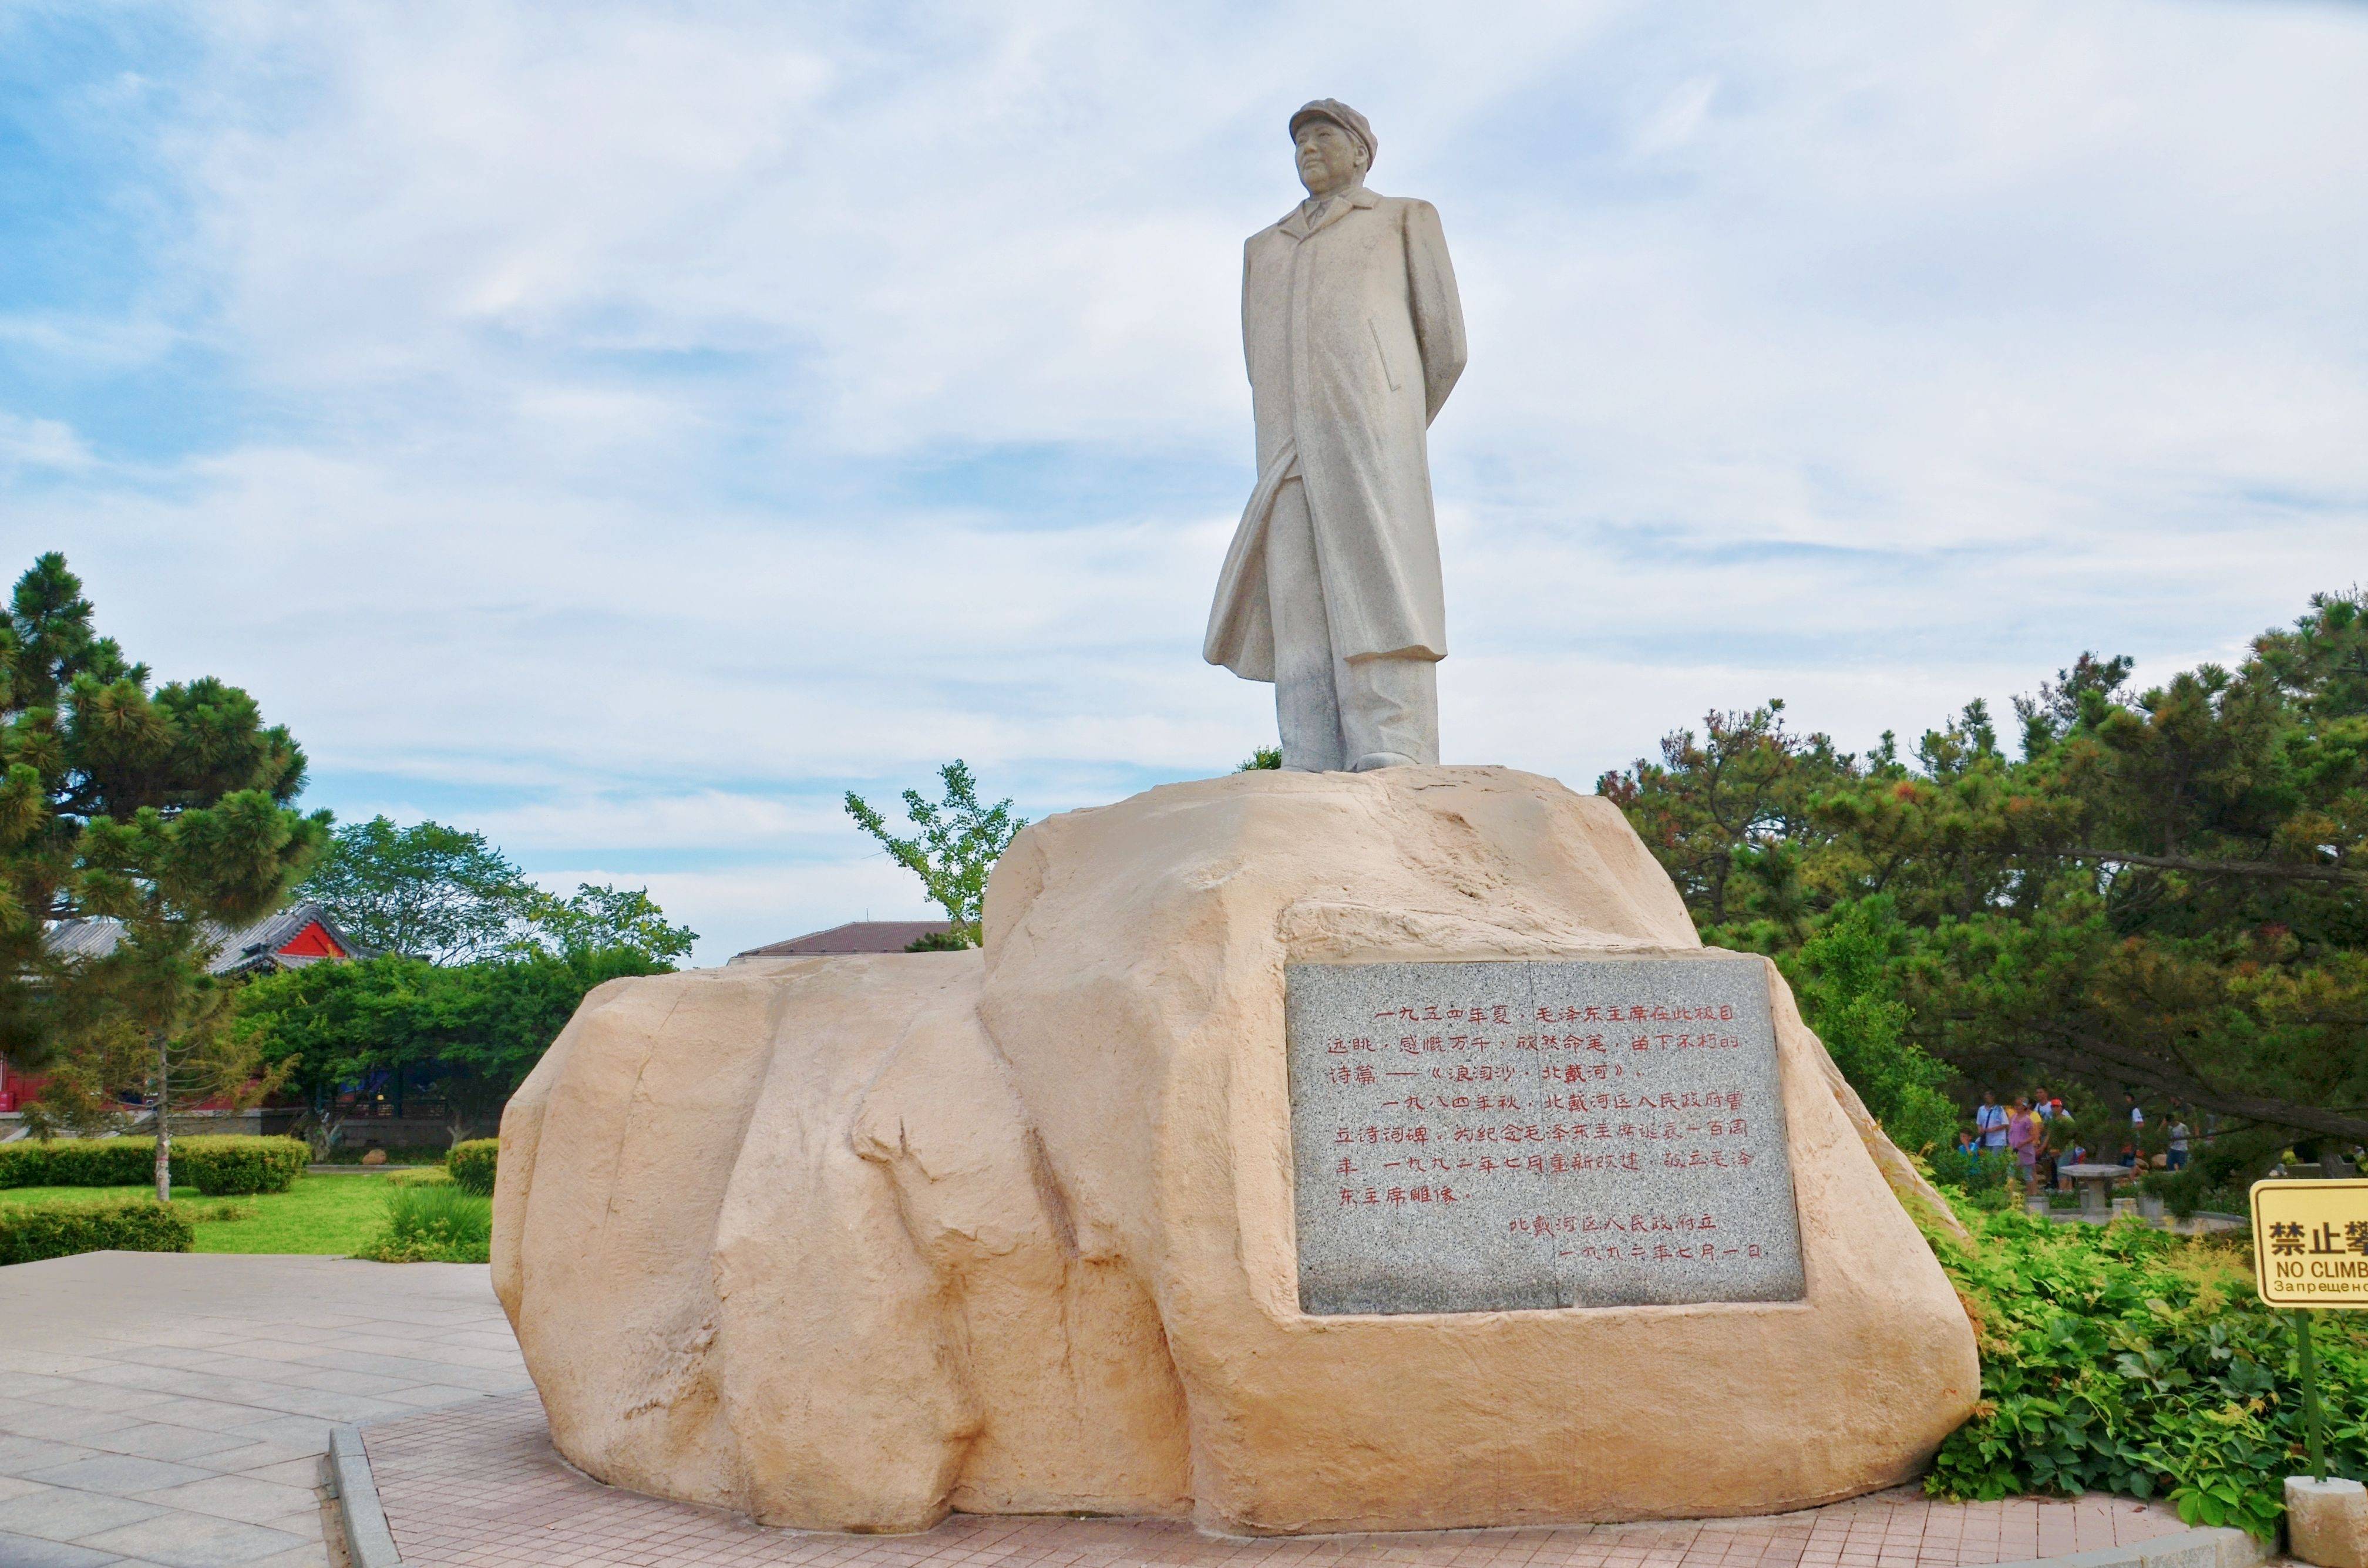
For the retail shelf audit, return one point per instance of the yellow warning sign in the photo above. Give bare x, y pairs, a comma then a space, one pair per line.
2310, 1242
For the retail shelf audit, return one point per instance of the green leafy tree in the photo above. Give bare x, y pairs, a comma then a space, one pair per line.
1845, 978
468, 1033
429, 891
600, 918
2164, 895
506, 1014
956, 842
449, 897
165, 810
1263, 759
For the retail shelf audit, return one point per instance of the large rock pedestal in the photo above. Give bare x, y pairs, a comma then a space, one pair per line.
847, 1243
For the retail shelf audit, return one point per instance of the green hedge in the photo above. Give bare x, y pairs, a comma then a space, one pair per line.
218, 1166
64, 1227
472, 1164
238, 1167
78, 1162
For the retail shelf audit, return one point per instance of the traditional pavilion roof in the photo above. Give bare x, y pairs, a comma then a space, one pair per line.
284, 939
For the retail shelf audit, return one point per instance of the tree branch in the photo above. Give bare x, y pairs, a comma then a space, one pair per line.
2279, 870
2182, 1084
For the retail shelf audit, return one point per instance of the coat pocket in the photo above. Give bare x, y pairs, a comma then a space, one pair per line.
1389, 372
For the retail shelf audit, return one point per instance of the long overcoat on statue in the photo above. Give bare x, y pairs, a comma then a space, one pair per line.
1354, 336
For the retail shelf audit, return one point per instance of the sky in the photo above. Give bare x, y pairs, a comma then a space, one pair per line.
623, 428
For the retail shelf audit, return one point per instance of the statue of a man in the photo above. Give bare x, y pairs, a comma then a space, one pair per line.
1354, 337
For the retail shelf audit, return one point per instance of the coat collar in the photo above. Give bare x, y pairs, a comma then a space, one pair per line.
1294, 222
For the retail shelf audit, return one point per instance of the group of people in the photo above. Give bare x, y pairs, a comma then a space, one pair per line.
2026, 1128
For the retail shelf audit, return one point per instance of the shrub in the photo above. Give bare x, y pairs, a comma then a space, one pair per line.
79, 1162
64, 1227
239, 1167
2120, 1358
430, 1176
471, 1165
434, 1225
1978, 1171
229, 1166
2182, 1191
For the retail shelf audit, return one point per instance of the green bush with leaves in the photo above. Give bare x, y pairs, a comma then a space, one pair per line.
219, 1166
427, 1176
80, 1162
435, 1224
30, 1231
240, 1167
1977, 1172
472, 1164
2128, 1360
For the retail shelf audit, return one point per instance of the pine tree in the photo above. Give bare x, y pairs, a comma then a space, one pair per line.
166, 810
2165, 895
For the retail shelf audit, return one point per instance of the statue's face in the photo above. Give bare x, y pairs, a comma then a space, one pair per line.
1329, 158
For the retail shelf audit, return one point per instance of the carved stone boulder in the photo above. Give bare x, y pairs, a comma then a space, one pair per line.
848, 1243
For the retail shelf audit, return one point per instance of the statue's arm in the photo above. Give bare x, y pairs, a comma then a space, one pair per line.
1247, 368
1437, 311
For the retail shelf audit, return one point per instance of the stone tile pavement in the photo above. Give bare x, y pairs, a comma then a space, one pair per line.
478, 1486
171, 1409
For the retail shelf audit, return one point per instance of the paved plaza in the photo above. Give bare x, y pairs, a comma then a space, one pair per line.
172, 1408
478, 1486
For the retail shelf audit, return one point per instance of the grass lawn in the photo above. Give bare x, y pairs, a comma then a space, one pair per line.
334, 1214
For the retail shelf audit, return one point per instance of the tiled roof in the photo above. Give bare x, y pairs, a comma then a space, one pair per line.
855, 937
245, 947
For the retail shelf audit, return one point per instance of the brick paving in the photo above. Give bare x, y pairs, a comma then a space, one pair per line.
480, 1486
169, 1409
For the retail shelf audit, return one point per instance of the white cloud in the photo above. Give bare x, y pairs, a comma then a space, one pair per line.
39, 444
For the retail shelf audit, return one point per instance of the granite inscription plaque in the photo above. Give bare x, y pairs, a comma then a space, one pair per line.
1531, 1134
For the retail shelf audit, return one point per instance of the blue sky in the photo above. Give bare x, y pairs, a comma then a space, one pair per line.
622, 428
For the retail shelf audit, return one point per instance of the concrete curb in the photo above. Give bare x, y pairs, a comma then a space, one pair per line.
370, 1544
2220, 1548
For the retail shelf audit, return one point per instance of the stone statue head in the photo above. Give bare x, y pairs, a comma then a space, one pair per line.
1333, 144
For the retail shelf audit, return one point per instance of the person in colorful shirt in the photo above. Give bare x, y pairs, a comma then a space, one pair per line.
2025, 1134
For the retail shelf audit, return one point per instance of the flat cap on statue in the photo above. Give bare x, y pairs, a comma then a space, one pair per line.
1344, 116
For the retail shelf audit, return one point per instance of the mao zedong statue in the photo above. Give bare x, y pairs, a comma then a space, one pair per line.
1354, 337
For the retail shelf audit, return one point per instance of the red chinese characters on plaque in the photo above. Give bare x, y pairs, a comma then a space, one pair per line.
1499, 1135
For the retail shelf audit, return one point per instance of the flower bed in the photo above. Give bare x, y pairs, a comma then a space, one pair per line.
2121, 1358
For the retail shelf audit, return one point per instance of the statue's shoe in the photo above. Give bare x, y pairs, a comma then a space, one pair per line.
1373, 759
